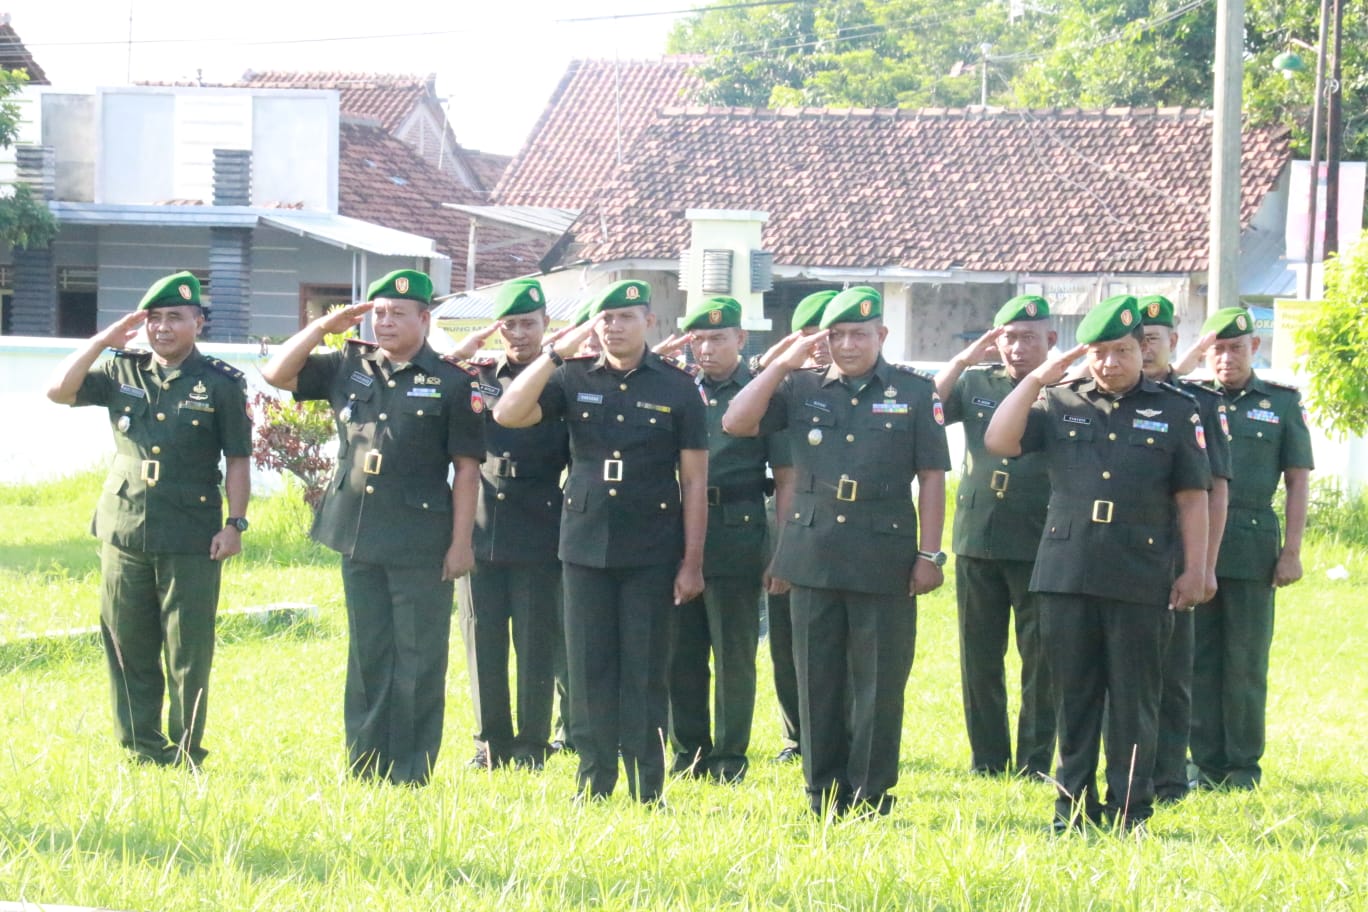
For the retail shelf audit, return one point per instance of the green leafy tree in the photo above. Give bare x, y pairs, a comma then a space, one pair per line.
24, 220
1336, 343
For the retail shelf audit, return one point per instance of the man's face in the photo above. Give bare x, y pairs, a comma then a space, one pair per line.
1115, 365
522, 335
1156, 351
1232, 360
717, 350
820, 355
1024, 345
401, 326
623, 330
855, 346
171, 331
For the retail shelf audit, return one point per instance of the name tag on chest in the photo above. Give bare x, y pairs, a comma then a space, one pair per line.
359, 377
134, 391
594, 398
984, 403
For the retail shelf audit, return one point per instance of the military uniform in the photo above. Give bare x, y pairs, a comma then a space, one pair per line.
999, 516
725, 619
388, 512
159, 510
848, 549
517, 578
1234, 631
621, 540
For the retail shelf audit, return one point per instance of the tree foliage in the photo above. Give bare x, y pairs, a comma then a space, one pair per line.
1071, 53
1336, 342
24, 220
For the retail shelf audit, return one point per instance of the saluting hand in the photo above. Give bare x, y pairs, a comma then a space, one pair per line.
794, 350
472, 343
672, 345
982, 347
121, 331
567, 339
1057, 365
344, 318
1193, 356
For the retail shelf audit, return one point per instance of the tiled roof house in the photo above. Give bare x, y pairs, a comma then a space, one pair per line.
15, 56
950, 211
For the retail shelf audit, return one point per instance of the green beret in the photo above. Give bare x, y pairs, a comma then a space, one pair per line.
809, 310
1155, 310
520, 296
402, 284
854, 305
1229, 322
716, 313
173, 291
1022, 308
1114, 318
627, 293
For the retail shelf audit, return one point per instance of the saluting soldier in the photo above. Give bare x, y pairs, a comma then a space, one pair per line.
855, 548
1269, 440
725, 619
632, 529
807, 319
1128, 481
405, 416
160, 519
1175, 701
999, 515
515, 588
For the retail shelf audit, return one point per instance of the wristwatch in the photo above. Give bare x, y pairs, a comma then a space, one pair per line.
237, 522
549, 349
936, 557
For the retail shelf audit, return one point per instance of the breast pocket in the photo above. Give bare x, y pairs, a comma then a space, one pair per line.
812, 417
648, 418
1073, 443
128, 412
1150, 450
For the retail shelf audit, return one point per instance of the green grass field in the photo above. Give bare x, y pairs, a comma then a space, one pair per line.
273, 821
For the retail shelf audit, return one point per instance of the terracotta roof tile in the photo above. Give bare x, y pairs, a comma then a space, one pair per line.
383, 97
599, 108
14, 56
383, 180
1041, 191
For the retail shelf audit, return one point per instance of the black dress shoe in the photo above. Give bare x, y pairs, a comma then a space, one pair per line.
788, 755
480, 760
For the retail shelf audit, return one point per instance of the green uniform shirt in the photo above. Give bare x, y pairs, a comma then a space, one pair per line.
737, 483
1211, 408
162, 493
855, 455
518, 519
1115, 464
399, 429
1268, 434
1000, 508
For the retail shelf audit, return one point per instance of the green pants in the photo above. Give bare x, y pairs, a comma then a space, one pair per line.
157, 608
1232, 636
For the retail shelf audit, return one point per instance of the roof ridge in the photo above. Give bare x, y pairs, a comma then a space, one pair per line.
974, 111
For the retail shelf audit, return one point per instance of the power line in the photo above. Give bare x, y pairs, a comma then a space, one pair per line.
681, 12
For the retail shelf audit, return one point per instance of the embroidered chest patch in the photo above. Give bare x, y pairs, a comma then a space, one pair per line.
1267, 416
1146, 424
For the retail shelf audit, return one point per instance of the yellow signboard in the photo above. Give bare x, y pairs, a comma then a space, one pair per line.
1288, 317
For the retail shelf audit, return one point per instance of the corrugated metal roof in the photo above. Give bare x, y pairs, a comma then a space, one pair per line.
479, 305
542, 219
353, 234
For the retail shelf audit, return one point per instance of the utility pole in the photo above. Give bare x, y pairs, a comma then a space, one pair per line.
1313, 181
1224, 247
1333, 129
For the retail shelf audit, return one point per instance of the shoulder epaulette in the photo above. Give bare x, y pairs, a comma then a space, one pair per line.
223, 367
481, 362
363, 343
1196, 388
1282, 386
676, 365
1165, 385
916, 372
131, 353
461, 363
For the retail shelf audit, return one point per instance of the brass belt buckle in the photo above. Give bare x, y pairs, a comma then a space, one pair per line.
612, 470
372, 464
1102, 511
999, 480
505, 467
714, 496
151, 472
847, 489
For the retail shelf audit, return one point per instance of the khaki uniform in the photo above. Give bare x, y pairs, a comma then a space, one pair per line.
159, 511
725, 620
848, 549
388, 512
1234, 631
1115, 464
515, 588
999, 515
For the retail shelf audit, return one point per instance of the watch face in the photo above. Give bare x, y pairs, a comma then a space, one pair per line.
239, 524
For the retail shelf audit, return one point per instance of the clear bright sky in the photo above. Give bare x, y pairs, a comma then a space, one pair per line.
498, 61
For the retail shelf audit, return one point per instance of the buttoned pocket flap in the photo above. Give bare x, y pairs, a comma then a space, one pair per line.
576, 496
433, 501
1058, 530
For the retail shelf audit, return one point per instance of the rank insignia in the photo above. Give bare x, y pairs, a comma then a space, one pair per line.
1264, 403
890, 392
200, 392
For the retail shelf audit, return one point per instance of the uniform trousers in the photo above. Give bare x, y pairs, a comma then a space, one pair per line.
853, 652
617, 645
399, 631
991, 594
723, 621
1232, 637
499, 600
1105, 655
562, 676
780, 617
1175, 711
156, 608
